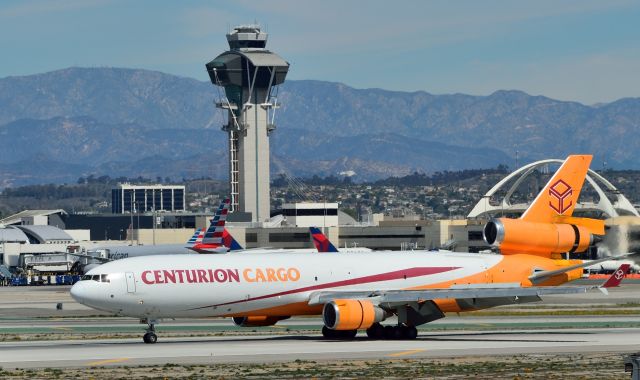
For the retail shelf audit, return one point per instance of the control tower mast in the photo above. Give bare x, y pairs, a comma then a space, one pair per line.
248, 72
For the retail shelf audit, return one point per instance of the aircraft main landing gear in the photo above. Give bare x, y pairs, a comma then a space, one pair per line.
150, 336
338, 334
377, 331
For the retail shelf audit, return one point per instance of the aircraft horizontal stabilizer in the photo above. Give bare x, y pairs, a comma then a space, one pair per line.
539, 277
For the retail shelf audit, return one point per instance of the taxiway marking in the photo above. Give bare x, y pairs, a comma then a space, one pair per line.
108, 361
403, 353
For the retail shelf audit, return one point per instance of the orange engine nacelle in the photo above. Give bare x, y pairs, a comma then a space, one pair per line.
257, 321
520, 236
344, 314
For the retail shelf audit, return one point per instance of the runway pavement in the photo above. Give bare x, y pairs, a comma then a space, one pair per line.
32, 311
42, 301
311, 347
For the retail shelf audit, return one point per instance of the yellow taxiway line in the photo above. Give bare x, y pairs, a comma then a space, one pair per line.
403, 353
108, 361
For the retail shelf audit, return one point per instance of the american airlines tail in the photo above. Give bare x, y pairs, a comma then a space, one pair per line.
216, 228
197, 237
217, 239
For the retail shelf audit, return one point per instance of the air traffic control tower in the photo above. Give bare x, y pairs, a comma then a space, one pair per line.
249, 73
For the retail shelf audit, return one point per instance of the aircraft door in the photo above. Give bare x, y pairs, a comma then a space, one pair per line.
131, 282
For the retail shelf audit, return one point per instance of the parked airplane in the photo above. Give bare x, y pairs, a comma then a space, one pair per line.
216, 227
217, 239
360, 290
116, 252
320, 240
611, 265
323, 244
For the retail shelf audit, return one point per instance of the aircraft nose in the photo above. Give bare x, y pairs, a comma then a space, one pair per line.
79, 292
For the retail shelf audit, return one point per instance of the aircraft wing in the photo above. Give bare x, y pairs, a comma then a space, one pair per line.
510, 294
497, 294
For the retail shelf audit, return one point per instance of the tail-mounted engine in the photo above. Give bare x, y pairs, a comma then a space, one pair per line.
257, 321
345, 314
520, 236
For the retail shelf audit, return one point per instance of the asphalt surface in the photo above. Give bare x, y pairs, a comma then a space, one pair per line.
194, 341
312, 347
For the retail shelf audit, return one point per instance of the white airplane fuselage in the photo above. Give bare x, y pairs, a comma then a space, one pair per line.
276, 284
117, 252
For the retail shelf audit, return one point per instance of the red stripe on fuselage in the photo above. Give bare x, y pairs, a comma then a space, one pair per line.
395, 275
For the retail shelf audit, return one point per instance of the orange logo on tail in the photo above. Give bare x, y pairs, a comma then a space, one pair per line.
560, 191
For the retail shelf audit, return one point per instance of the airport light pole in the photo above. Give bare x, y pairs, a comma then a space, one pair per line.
138, 229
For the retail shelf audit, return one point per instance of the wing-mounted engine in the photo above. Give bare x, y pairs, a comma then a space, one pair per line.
257, 321
351, 314
538, 238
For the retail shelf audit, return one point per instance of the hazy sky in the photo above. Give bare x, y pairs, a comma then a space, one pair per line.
581, 50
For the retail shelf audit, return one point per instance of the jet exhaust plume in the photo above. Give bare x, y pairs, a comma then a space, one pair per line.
622, 236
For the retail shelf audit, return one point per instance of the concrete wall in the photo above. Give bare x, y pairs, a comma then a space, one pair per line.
313, 221
79, 235
389, 237
163, 236
10, 253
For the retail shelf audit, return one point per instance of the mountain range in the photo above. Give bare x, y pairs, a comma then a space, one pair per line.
60, 125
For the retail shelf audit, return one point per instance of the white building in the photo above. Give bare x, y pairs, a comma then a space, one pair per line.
311, 214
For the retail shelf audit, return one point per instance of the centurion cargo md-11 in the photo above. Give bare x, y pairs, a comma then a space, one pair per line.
354, 291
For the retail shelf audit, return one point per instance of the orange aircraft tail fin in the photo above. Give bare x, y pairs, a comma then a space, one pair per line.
560, 195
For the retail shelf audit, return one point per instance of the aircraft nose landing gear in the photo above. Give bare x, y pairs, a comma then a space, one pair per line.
150, 336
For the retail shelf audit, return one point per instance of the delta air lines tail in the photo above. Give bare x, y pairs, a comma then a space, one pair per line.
321, 242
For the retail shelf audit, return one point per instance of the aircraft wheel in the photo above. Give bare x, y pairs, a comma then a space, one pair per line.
390, 332
150, 338
410, 332
376, 331
328, 333
348, 334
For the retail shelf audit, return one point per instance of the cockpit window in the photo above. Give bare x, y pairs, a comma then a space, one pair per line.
95, 277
